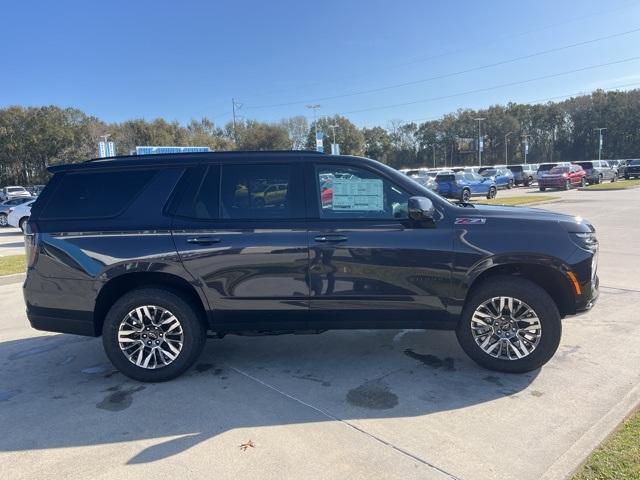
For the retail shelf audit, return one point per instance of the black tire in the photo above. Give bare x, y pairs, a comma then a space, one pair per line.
614, 178
626, 177
465, 196
542, 189
510, 184
492, 193
194, 332
23, 223
528, 182
598, 179
583, 182
567, 185
3, 220
534, 296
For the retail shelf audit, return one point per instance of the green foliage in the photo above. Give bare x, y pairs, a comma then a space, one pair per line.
32, 138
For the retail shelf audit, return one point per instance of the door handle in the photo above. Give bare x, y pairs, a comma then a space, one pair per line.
203, 240
331, 238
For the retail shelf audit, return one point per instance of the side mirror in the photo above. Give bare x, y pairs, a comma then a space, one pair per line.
421, 208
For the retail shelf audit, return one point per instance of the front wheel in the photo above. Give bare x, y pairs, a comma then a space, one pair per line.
466, 195
3, 220
492, 193
510, 324
567, 185
152, 335
542, 189
583, 182
23, 223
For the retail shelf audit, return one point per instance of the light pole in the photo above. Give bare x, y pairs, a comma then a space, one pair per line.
315, 108
479, 120
433, 147
506, 146
333, 145
526, 147
600, 129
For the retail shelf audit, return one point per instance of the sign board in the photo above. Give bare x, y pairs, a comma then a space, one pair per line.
362, 194
319, 144
149, 150
481, 145
106, 149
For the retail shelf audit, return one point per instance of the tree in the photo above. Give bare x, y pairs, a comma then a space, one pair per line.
254, 135
298, 131
348, 136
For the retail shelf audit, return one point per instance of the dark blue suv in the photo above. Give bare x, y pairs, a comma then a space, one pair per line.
209, 244
464, 185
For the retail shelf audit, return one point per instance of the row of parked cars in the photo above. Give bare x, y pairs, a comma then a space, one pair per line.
464, 182
15, 204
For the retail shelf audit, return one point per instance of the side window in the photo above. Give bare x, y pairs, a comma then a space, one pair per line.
256, 192
96, 194
201, 193
347, 192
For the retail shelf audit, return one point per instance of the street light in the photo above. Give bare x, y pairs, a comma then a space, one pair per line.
479, 120
526, 147
333, 145
600, 129
506, 145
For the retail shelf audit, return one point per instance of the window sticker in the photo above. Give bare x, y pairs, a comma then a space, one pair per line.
363, 194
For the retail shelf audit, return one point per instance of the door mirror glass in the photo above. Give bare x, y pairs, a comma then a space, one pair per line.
421, 208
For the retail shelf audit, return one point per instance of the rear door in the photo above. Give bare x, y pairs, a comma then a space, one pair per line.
240, 231
370, 266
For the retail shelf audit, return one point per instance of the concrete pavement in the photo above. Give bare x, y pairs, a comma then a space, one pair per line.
366, 404
11, 241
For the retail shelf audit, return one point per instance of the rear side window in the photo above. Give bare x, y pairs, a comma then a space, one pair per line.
448, 177
200, 198
517, 169
96, 194
256, 192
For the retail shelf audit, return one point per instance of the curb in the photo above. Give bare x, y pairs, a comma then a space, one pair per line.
566, 465
15, 278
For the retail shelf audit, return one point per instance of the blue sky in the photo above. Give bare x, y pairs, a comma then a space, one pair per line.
181, 60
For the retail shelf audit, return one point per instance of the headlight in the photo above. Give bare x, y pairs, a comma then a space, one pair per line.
586, 240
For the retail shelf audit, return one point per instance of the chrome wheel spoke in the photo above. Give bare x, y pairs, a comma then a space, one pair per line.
506, 328
150, 337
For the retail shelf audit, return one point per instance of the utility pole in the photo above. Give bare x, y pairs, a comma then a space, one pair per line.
506, 146
600, 129
233, 108
480, 145
433, 146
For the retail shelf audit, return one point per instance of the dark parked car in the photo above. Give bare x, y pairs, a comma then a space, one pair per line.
524, 174
7, 204
598, 171
563, 177
464, 185
502, 176
632, 169
182, 249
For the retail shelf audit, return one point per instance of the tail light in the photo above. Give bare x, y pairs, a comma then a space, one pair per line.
31, 239
565, 175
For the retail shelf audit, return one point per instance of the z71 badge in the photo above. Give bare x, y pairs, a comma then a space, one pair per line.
470, 221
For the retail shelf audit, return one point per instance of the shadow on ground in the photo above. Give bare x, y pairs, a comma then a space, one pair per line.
60, 391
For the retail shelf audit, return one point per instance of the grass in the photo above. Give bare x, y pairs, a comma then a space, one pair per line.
619, 185
12, 264
522, 200
618, 457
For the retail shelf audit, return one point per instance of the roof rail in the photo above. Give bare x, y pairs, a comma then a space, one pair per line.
220, 152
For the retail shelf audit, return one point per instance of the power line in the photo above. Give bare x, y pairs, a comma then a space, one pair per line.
494, 87
447, 75
452, 52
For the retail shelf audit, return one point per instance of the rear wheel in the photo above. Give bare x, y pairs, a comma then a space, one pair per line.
492, 192
510, 184
614, 178
3, 220
152, 335
510, 324
23, 223
567, 185
583, 182
465, 196
542, 189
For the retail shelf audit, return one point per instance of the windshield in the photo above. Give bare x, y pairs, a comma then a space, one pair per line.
516, 169
559, 170
489, 172
546, 166
634, 162
15, 189
585, 164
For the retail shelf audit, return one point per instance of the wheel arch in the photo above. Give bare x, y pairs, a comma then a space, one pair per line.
118, 286
549, 276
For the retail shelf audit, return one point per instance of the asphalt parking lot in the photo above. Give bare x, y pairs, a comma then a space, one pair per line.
365, 404
11, 241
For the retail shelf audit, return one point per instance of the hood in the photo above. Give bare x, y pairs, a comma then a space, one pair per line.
569, 222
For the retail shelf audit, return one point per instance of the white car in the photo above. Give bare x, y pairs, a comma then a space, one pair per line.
9, 193
19, 215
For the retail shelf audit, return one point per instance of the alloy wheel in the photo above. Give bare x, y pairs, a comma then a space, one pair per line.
506, 328
3, 221
150, 337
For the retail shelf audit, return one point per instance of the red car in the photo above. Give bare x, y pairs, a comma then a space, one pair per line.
563, 177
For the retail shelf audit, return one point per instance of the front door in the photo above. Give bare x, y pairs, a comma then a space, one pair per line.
240, 232
370, 266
